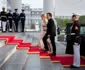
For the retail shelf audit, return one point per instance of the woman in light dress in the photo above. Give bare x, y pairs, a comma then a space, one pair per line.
43, 32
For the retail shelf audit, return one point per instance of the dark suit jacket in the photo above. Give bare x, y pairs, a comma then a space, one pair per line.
16, 17
3, 16
77, 33
51, 28
10, 16
22, 15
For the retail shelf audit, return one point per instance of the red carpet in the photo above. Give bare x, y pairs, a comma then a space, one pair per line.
24, 46
11, 39
19, 42
34, 50
44, 54
54, 59
7, 38
66, 61
14, 41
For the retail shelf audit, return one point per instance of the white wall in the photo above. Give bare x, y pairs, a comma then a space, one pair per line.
48, 6
16, 4
3, 3
67, 7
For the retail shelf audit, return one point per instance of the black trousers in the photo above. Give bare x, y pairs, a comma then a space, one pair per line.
10, 24
16, 25
52, 39
23, 25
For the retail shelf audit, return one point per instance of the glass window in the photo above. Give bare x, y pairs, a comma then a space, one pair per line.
82, 30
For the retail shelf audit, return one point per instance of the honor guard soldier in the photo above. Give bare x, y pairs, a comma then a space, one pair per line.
22, 19
3, 16
16, 19
75, 38
10, 19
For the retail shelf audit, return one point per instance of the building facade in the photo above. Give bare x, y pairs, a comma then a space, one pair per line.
33, 16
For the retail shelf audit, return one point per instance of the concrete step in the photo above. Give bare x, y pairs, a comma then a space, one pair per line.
21, 36
33, 62
46, 64
34, 40
2, 43
5, 52
58, 66
15, 34
24, 37
18, 36
29, 38
16, 61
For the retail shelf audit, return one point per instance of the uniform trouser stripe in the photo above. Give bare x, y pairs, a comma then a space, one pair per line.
4, 25
76, 55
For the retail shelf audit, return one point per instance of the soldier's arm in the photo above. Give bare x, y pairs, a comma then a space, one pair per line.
13, 16
19, 16
77, 29
7, 15
0, 15
25, 16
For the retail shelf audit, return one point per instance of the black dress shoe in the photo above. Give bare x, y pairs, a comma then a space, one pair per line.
72, 66
22, 31
10, 31
16, 31
46, 50
3, 31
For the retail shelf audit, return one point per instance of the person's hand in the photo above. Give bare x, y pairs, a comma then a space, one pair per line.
8, 21
48, 36
13, 21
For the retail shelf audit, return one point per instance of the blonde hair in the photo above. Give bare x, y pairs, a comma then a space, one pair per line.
43, 15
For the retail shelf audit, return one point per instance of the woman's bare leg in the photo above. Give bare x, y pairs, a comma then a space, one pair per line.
39, 44
49, 46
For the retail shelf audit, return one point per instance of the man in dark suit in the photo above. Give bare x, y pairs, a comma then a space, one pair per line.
22, 19
10, 19
16, 19
51, 33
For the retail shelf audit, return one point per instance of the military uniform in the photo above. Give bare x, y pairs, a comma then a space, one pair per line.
10, 19
22, 18
75, 38
3, 16
16, 20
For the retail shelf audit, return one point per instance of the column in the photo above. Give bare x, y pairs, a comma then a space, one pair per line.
3, 3
49, 6
16, 4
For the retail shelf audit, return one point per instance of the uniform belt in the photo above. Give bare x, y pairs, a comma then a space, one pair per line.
3, 16
22, 17
9, 17
72, 34
15, 17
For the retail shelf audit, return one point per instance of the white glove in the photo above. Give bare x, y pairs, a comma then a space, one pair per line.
7, 21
